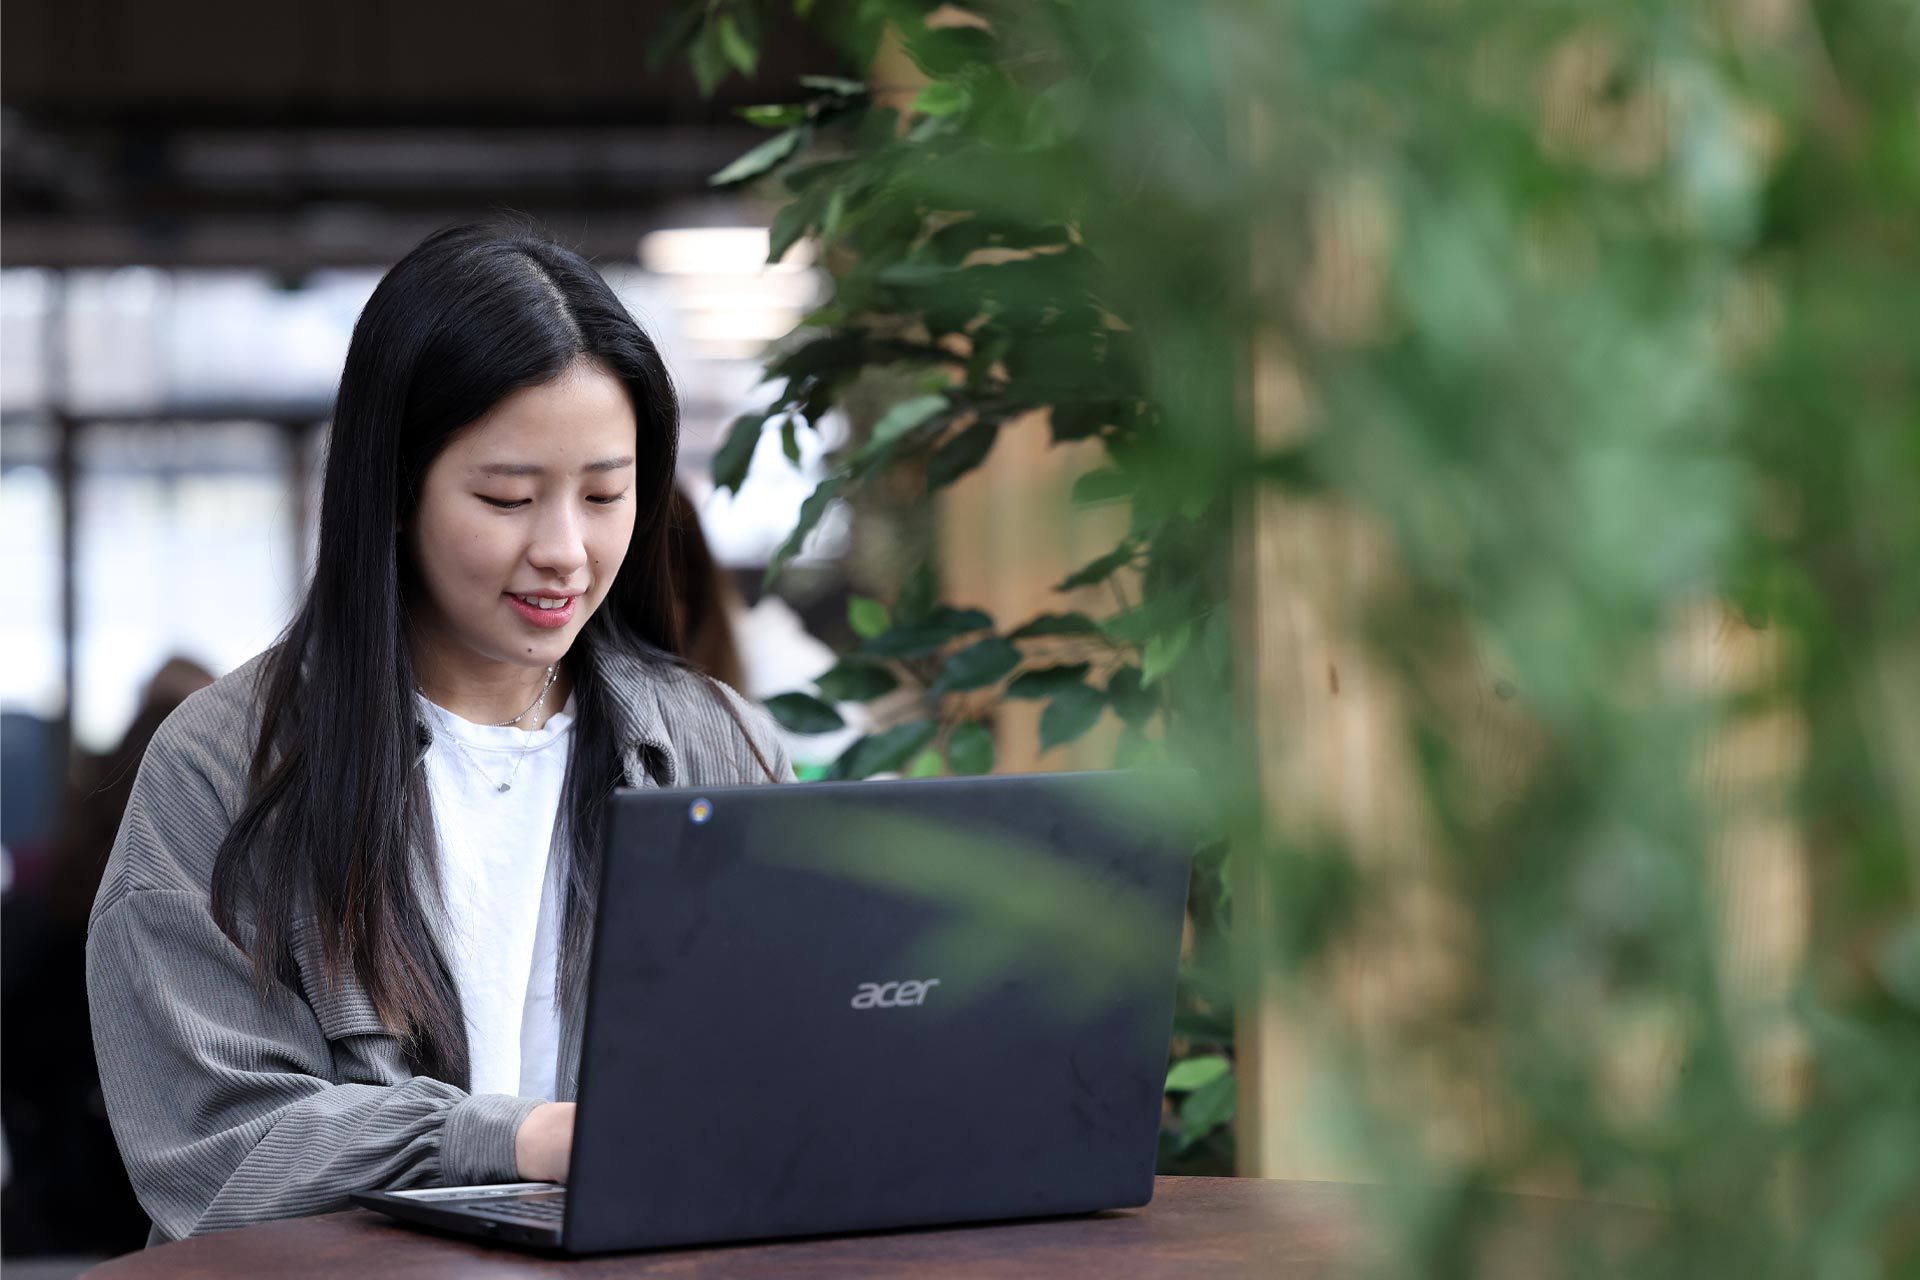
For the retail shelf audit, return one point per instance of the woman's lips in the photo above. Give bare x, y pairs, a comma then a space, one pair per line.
546, 618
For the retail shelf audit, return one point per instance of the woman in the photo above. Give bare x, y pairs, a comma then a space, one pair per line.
341, 938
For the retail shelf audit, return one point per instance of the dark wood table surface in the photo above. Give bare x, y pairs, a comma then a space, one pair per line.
1195, 1227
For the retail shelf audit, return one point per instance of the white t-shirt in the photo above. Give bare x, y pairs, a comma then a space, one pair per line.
503, 912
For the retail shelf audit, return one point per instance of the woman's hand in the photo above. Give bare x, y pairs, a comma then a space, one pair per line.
544, 1145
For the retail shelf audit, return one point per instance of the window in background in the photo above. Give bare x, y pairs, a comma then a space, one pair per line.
30, 678
714, 304
194, 536
187, 545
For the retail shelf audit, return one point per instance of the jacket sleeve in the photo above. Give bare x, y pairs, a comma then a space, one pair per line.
220, 1097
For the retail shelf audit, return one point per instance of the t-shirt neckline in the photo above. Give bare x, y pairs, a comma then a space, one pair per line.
491, 737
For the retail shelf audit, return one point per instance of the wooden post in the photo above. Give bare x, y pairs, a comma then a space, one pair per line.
1007, 538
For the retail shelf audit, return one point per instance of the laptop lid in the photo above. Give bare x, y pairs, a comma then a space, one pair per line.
843, 1006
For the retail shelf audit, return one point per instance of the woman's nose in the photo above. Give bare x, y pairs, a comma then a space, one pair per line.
557, 546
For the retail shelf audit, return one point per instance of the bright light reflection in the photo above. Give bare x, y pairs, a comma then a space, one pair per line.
718, 251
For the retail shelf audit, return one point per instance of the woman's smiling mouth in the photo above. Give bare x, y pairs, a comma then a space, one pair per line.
543, 611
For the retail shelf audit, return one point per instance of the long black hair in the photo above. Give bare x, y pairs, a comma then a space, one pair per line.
337, 828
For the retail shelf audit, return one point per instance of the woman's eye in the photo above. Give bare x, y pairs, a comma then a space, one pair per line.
505, 504
606, 499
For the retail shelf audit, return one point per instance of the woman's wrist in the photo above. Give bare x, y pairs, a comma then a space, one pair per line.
543, 1147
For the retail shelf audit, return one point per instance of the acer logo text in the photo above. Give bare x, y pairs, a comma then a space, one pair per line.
892, 995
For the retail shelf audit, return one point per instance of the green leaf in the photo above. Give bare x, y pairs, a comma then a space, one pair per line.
856, 681
1058, 624
740, 52
730, 462
1104, 485
978, 665
789, 225
1193, 1073
925, 765
1076, 420
1129, 698
1215, 1026
804, 713
917, 598
1162, 652
817, 173
1163, 610
868, 618
810, 512
1897, 963
907, 640
970, 749
883, 752
830, 356
1099, 570
709, 59
774, 115
941, 98
1137, 751
990, 345
899, 420
761, 158
675, 34
962, 453
912, 274
1206, 1109
948, 50
1073, 711
836, 212
790, 441
1045, 682
1215, 642
836, 85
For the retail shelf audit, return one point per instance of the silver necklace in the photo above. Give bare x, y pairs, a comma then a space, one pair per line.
519, 756
507, 724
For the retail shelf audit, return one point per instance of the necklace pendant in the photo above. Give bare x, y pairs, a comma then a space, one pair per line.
505, 786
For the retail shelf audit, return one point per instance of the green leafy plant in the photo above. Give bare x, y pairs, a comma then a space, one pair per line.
966, 267
1559, 328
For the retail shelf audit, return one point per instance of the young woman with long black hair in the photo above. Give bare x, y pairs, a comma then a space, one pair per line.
341, 938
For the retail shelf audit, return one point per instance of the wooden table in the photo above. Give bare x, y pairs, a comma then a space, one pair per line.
1195, 1227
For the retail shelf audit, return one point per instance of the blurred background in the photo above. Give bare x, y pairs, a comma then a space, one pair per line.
1477, 445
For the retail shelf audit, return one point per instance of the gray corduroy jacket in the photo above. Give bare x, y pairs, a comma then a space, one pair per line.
230, 1108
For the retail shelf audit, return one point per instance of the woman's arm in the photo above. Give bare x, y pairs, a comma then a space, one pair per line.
218, 1097
222, 1097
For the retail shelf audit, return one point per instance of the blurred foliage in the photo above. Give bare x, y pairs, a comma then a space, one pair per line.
1596, 328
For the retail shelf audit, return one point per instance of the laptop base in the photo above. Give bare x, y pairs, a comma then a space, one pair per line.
493, 1213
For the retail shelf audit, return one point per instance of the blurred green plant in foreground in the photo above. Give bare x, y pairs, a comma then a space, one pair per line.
1567, 359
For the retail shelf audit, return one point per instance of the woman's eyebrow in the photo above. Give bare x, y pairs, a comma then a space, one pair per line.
531, 469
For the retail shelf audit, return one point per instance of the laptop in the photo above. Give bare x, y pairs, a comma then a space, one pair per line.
838, 1007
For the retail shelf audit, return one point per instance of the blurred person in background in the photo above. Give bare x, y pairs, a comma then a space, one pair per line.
760, 651
707, 601
67, 1192
341, 939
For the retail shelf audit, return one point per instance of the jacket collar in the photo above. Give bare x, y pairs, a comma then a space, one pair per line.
647, 758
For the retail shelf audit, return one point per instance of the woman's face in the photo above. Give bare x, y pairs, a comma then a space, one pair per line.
523, 522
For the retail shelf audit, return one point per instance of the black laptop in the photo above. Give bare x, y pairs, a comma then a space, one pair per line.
850, 1006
